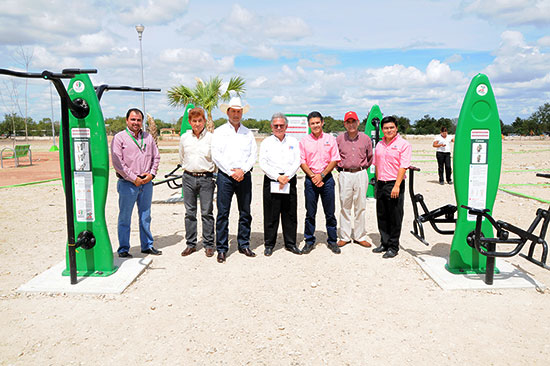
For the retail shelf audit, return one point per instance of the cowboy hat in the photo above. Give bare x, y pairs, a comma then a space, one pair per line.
235, 103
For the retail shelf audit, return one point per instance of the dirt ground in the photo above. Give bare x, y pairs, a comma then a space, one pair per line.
318, 309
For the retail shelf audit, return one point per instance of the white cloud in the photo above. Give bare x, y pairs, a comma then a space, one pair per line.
453, 59
153, 12
516, 60
512, 12
287, 28
35, 22
258, 82
250, 27
265, 52
194, 59
544, 41
282, 100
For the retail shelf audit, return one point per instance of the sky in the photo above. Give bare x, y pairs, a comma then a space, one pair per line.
412, 58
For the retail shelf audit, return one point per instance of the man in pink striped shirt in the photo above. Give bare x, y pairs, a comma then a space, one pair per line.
136, 159
392, 157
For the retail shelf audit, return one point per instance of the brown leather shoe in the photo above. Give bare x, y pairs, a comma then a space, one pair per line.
364, 243
209, 252
341, 243
188, 250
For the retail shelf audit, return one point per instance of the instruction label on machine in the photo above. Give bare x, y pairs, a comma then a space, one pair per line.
477, 182
83, 177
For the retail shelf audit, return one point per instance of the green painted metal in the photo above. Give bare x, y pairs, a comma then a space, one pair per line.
476, 171
90, 169
185, 125
371, 132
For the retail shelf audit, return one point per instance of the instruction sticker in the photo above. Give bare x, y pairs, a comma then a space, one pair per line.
477, 181
82, 155
84, 196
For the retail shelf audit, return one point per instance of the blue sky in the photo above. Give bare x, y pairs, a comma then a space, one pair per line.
410, 57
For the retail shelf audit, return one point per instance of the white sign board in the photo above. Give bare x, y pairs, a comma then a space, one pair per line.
297, 126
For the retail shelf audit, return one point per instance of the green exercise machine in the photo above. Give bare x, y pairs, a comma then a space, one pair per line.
373, 129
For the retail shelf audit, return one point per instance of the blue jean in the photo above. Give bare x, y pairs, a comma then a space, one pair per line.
227, 186
128, 195
312, 193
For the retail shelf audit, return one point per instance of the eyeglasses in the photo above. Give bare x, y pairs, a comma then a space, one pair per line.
279, 127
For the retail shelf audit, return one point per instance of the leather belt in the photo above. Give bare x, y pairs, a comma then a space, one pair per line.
199, 174
352, 170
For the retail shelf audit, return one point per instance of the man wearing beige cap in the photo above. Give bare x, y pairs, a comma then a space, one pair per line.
234, 152
356, 156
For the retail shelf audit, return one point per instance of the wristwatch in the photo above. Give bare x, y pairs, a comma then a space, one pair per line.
323, 176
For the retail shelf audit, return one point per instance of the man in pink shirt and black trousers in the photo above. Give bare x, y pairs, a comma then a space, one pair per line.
392, 158
318, 157
136, 159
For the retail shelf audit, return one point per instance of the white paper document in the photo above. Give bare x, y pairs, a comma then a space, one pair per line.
275, 188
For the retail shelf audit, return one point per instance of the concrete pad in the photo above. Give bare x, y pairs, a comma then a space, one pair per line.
509, 276
51, 281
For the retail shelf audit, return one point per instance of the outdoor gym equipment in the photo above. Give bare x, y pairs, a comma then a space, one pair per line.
84, 162
434, 217
172, 180
374, 131
476, 172
487, 245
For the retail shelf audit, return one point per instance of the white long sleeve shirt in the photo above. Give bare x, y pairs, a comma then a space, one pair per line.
278, 156
233, 149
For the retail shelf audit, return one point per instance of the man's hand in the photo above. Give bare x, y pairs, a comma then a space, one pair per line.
395, 191
138, 182
238, 174
317, 180
283, 180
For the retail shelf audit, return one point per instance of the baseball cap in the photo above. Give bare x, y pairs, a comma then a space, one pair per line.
350, 115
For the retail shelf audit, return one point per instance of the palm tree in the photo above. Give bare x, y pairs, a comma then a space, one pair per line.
206, 95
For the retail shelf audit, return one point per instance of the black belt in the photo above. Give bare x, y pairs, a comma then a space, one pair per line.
352, 170
199, 174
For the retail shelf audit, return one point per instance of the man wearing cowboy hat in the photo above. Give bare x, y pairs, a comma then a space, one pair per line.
234, 152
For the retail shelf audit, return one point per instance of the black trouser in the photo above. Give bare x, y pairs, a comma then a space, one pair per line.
444, 160
389, 213
284, 206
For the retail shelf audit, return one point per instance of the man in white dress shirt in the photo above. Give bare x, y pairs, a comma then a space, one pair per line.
280, 159
198, 180
234, 152
442, 143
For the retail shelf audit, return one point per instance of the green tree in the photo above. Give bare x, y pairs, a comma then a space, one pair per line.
114, 125
206, 95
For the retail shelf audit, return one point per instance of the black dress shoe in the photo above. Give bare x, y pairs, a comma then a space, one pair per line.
124, 255
390, 254
379, 249
246, 251
221, 257
307, 248
152, 251
293, 249
268, 251
334, 247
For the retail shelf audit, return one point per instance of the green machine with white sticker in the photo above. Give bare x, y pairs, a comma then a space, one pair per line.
476, 172
374, 131
89, 162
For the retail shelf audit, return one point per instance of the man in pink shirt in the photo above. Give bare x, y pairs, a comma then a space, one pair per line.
136, 159
318, 157
392, 157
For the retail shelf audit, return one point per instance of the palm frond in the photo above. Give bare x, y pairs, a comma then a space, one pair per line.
180, 95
